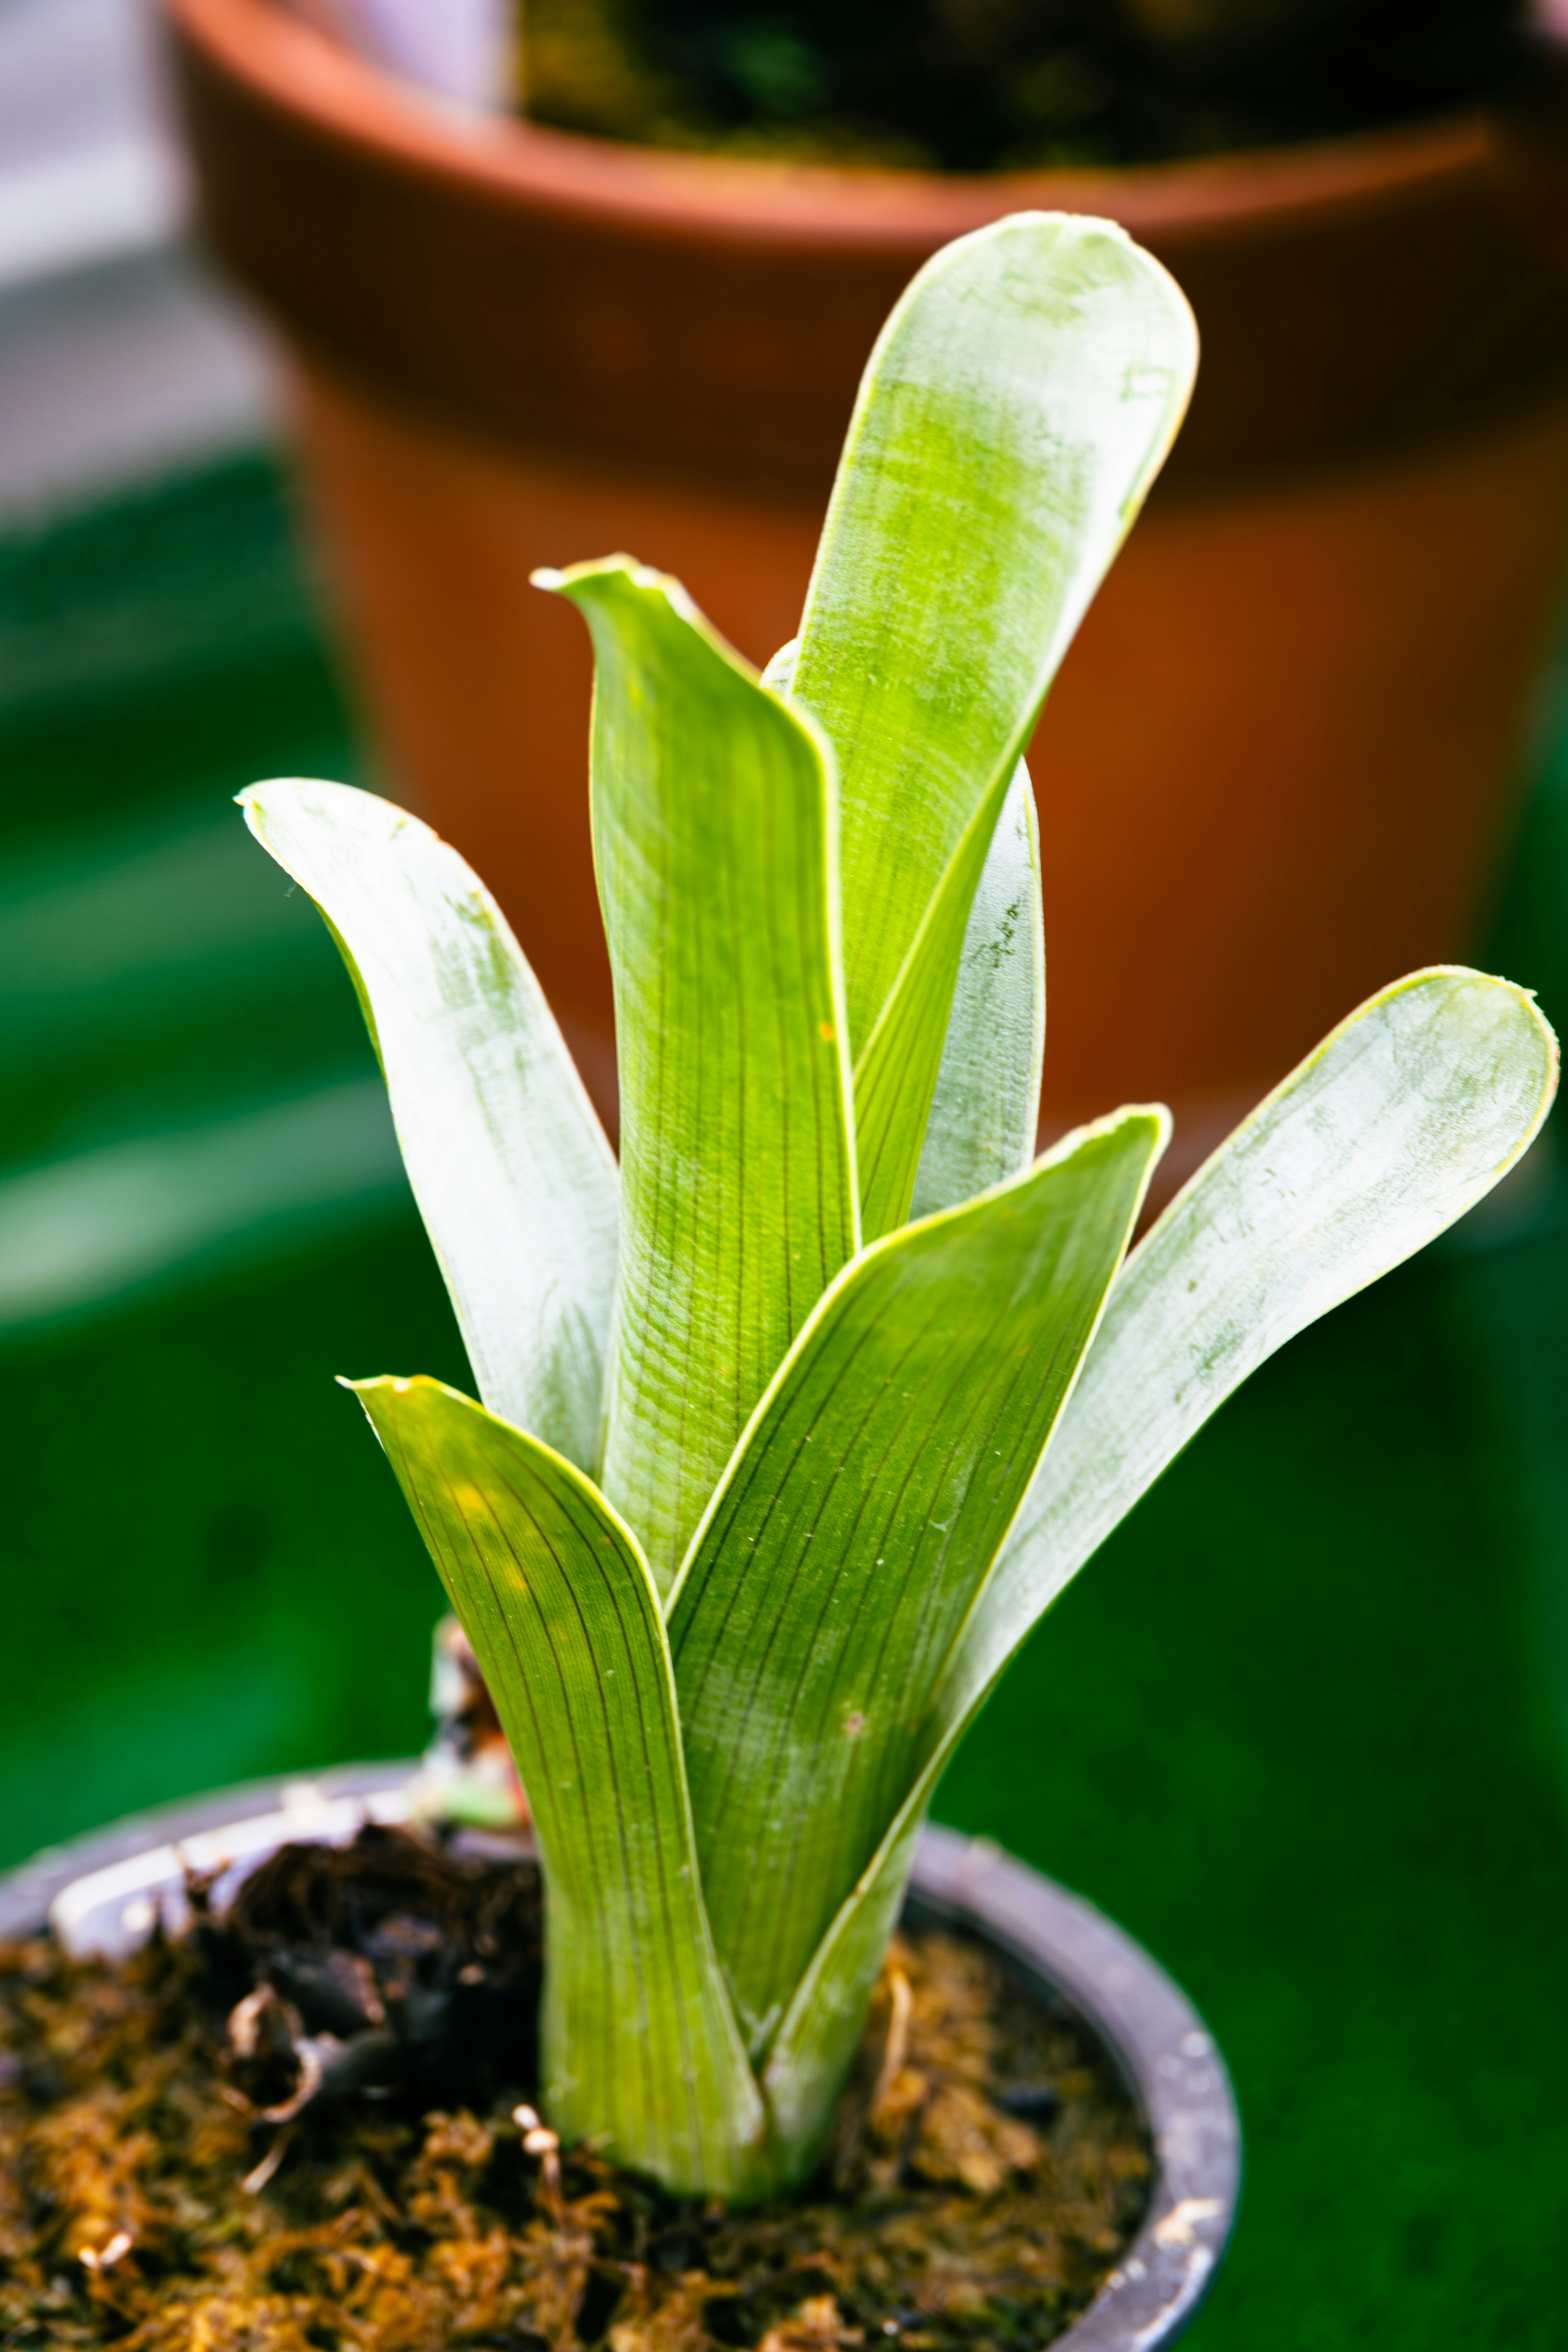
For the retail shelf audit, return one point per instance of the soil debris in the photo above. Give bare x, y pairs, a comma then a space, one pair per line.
309, 2126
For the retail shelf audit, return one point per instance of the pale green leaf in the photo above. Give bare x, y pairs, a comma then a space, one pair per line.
986, 1111
1403, 1120
714, 834
640, 2047
1019, 401
510, 1169
985, 1108
855, 1526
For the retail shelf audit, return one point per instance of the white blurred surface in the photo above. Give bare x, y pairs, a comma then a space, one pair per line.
118, 356
456, 49
114, 375
87, 167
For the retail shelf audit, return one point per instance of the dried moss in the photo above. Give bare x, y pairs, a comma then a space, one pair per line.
986, 2173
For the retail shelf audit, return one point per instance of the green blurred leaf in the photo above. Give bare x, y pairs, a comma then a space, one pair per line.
1403, 1118
514, 1179
714, 834
549, 1586
855, 1526
1019, 401
985, 1112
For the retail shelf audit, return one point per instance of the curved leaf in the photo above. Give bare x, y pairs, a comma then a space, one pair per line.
858, 1523
714, 835
640, 2046
514, 1179
1403, 1120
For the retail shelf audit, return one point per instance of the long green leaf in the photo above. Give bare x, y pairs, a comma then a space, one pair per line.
509, 1166
1403, 1120
985, 1108
1019, 404
714, 833
986, 1111
640, 2044
857, 1526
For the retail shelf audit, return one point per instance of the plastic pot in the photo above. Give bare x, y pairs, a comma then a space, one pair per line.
1280, 759
103, 1891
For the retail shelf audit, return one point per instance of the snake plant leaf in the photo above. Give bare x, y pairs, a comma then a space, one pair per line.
855, 1528
508, 1164
641, 2044
1019, 404
714, 834
1401, 1120
985, 1112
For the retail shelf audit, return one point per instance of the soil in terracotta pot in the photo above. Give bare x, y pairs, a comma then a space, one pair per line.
297, 2130
1003, 85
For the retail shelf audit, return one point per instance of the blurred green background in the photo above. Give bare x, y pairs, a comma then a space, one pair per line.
1303, 1726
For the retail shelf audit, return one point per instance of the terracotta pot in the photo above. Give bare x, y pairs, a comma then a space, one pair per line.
104, 1892
1280, 759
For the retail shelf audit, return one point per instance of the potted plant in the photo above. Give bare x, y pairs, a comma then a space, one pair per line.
511, 340
789, 1429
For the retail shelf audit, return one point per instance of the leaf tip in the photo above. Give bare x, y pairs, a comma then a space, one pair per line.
569, 579
1156, 1114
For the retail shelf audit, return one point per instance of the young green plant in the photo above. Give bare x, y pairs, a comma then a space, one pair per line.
793, 1424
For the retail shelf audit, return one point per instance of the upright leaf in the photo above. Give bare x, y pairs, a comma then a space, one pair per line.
714, 835
985, 1112
640, 2046
985, 1109
856, 1526
1019, 401
509, 1166
1403, 1118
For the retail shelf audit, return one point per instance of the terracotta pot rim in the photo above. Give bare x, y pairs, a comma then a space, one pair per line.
285, 64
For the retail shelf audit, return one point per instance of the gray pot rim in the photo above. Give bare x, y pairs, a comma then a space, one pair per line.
1166, 2053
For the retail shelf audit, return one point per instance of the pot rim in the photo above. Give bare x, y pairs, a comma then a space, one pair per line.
1166, 2055
288, 64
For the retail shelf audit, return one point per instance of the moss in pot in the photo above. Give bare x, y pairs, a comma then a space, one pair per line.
793, 1426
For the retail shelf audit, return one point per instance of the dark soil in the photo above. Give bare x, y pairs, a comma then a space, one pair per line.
1004, 85
297, 2130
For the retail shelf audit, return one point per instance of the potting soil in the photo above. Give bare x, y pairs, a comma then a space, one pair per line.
310, 2123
